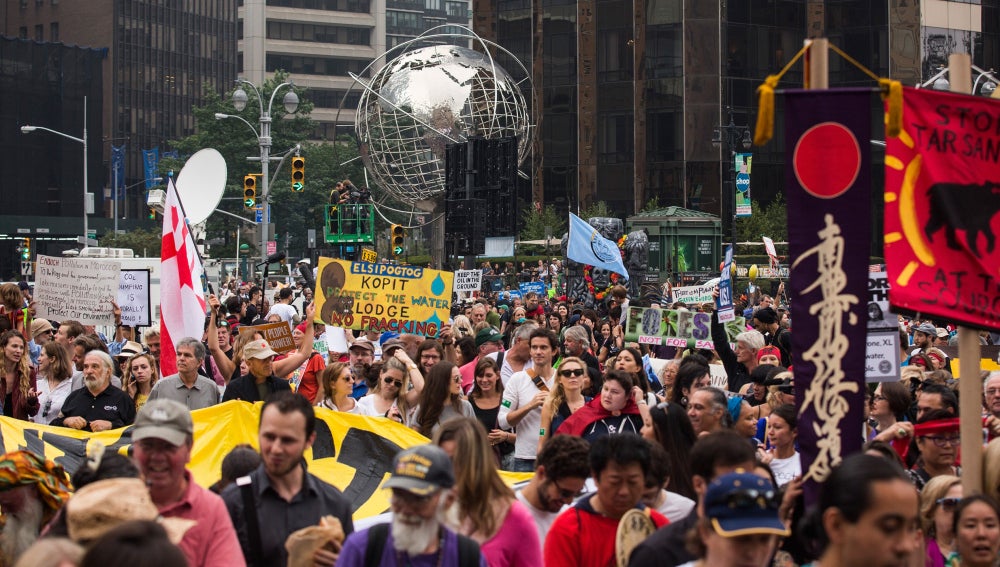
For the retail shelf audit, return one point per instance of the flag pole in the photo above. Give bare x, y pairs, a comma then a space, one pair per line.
180, 202
969, 389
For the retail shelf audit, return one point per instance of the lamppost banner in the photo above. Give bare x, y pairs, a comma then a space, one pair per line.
742, 168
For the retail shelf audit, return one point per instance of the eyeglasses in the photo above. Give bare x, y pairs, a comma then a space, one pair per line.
574, 372
948, 504
878, 398
407, 498
389, 380
993, 391
567, 494
429, 357
750, 498
944, 441
457, 379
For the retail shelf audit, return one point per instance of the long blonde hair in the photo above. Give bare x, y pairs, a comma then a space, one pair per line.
478, 485
393, 363
154, 376
558, 395
23, 367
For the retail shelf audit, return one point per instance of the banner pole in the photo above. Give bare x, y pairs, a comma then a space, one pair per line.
969, 389
817, 74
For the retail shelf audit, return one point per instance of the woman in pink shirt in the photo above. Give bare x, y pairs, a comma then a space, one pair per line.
487, 510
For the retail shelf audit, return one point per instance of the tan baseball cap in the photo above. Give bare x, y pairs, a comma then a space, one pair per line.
258, 349
39, 326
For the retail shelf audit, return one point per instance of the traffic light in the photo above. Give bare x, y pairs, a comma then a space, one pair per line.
249, 192
26, 249
397, 236
298, 173
152, 213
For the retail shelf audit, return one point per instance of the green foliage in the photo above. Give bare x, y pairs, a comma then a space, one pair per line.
770, 221
293, 213
596, 209
145, 243
651, 205
533, 223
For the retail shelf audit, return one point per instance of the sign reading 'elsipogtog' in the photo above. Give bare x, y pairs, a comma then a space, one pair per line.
383, 297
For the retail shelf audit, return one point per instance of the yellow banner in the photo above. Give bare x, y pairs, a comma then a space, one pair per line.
383, 297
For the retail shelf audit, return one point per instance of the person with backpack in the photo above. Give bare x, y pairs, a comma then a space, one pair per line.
422, 481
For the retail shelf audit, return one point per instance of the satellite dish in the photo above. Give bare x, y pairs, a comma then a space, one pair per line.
200, 184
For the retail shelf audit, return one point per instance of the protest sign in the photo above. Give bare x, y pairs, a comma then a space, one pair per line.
133, 298
528, 287
772, 253
383, 297
882, 342
942, 201
724, 305
828, 186
694, 294
67, 288
675, 327
278, 335
468, 280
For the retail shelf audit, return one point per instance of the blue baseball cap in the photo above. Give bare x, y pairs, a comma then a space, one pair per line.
741, 503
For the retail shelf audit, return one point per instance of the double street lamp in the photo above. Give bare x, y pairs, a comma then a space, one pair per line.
29, 129
291, 104
732, 136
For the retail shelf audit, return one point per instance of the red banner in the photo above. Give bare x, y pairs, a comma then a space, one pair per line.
942, 208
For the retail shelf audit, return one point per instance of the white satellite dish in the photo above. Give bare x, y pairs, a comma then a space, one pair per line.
200, 184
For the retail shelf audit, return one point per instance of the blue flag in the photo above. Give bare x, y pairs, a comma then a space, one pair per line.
587, 246
150, 161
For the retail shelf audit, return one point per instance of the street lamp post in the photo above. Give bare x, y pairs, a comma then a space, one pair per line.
29, 129
732, 136
291, 103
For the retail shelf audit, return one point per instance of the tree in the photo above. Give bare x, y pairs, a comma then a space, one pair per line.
652, 205
534, 223
770, 221
596, 209
145, 243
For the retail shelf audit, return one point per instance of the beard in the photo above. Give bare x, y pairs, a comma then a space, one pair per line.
21, 530
93, 383
412, 534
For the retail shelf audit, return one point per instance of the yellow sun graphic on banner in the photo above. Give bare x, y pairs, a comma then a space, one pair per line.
906, 208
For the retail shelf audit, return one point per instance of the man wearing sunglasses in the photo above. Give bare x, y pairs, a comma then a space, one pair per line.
560, 473
41, 332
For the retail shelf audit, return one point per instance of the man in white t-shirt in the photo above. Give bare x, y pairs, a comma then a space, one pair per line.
524, 395
283, 307
561, 471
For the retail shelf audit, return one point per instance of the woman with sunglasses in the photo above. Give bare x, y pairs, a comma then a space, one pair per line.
338, 385
565, 399
52, 381
441, 399
487, 391
140, 377
937, 511
392, 396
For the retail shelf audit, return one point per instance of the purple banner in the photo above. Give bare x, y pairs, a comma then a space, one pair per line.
828, 180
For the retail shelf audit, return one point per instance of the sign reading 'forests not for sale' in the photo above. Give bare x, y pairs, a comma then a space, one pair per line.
383, 297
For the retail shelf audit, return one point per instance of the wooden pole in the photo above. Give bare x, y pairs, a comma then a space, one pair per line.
817, 74
969, 387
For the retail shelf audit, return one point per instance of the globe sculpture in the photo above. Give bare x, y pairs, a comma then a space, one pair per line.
425, 99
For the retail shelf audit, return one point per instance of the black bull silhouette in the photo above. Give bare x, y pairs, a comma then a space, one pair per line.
956, 206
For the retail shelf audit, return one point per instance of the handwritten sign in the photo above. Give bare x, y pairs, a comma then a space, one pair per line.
468, 280
694, 294
68, 288
680, 328
383, 297
133, 298
278, 335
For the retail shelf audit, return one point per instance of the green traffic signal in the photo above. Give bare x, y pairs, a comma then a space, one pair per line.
297, 186
250, 203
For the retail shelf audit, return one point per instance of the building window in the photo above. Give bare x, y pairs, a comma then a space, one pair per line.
22, 32
39, 32
54, 31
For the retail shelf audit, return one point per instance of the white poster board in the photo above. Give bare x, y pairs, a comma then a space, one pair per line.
882, 341
468, 280
67, 288
134, 298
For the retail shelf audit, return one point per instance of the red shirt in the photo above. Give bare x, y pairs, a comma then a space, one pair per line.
212, 541
581, 537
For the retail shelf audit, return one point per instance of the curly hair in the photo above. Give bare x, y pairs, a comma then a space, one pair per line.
128, 380
21, 368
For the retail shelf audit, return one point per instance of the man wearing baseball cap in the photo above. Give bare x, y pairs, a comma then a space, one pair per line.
162, 438
421, 483
41, 332
362, 353
260, 383
489, 342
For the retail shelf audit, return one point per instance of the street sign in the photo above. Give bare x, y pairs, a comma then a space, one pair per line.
272, 247
92, 233
26, 268
258, 214
368, 255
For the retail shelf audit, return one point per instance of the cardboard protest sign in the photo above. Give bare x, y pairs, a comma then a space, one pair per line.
828, 187
468, 280
278, 335
675, 327
133, 298
942, 203
694, 294
882, 343
383, 297
67, 288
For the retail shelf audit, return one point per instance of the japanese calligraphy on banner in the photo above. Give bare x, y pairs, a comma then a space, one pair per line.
278, 335
829, 190
383, 297
942, 203
675, 327
82, 290
468, 280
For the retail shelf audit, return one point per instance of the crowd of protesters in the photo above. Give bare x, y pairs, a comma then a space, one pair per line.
702, 443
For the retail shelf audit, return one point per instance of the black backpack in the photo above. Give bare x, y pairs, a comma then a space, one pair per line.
468, 550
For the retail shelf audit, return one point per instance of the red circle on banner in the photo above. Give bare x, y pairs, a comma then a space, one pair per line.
827, 160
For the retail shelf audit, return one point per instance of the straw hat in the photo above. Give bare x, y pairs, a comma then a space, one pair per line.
104, 505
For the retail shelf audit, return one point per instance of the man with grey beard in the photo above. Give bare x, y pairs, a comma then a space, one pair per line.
32, 490
421, 484
99, 406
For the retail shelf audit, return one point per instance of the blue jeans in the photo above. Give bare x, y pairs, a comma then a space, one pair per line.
523, 465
